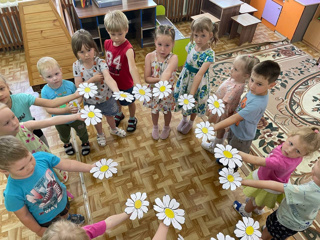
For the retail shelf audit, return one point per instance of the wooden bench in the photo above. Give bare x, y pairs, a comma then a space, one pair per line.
208, 15
248, 23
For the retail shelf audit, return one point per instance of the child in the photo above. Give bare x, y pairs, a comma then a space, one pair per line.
194, 77
297, 210
33, 191
68, 230
91, 69
50, 72
230, 92
20, 104
278, 166
161, 65
121, 63
243, 123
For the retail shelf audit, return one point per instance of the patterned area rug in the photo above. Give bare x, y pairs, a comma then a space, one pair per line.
293, 103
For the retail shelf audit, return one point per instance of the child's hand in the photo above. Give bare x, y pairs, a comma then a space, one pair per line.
97, 77
78, 117
73, 109
41, 231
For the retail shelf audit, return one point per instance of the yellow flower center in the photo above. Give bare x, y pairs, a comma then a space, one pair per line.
205, 130
142, 92
74, 104
230, 178
123, 95
216, 104
87, 89
249, 230
104, 168
91, 114
186, 101
227, 154
169, 213
162, 88
137, 204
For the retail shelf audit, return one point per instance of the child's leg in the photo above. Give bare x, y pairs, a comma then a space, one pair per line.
155, 130
114, 130
166, 129
265, 234
132, 123
132, 109
183, 122
101, 139
64, 135
119, 116
187, 127
82, 133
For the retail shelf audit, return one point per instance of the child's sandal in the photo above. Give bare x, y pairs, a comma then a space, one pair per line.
85, 149
118, 118
101, 139
68, 148
118, 132
132, 125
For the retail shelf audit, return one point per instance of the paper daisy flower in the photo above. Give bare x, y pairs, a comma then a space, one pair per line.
87, 89
204, 131
186, 101
180, 237
216, 105
247, 229
136, 205
162, 89
168, 210
104, 168
228, 156
142, 93
121, 95
229, 179
220, 236
91, 114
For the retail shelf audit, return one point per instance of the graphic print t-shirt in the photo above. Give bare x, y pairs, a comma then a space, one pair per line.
42, 193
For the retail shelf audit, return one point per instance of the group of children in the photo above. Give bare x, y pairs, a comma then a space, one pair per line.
35, 192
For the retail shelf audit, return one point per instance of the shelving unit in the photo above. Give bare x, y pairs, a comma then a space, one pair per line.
141, 15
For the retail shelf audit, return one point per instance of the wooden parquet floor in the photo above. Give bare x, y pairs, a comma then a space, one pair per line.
177, 166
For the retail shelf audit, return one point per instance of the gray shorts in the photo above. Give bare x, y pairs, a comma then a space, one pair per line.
108, 108
241, 145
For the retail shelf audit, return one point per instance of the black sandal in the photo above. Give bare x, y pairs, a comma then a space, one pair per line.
118, 119
85, 149
68, 148
132, 125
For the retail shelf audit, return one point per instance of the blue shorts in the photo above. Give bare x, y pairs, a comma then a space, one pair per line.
124, 102
108, 108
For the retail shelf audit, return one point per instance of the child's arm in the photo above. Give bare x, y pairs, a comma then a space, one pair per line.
61, 111
172, 66
110, 81
228, 122
268, 184
260, 161
57, 120
197, 79
73, 166
28, 220
148, 78
52, 103
162, 232
132, 67
114, 220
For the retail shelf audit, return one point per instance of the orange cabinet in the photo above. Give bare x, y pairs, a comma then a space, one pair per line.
259, 5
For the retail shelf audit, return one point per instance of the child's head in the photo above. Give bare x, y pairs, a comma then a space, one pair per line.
15, 159
83, 45
117, 25
164, 40
302, 142
204, 32
263, 77
64, 230
9, 123
4, 91
50, 71
242, 67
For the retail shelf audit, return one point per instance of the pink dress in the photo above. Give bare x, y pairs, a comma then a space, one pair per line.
230, 92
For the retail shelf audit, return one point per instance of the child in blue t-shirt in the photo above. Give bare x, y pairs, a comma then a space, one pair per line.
56, 87
33, 191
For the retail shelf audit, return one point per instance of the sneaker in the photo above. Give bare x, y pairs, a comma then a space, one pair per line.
240, 209
209, 146
76, 218
118, 132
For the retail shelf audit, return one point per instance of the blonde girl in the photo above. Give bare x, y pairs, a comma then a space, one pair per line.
20, 104
230, 92
161, 65
92, 69
194, 78
277, 166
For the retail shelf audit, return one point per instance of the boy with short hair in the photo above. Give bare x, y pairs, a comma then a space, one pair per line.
243, 124
120, 59
33, 191
51, 73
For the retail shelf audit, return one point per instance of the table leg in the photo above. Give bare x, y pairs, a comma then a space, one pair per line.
247, 33
234, 29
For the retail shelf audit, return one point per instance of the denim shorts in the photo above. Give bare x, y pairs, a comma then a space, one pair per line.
108, 108
124, 102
